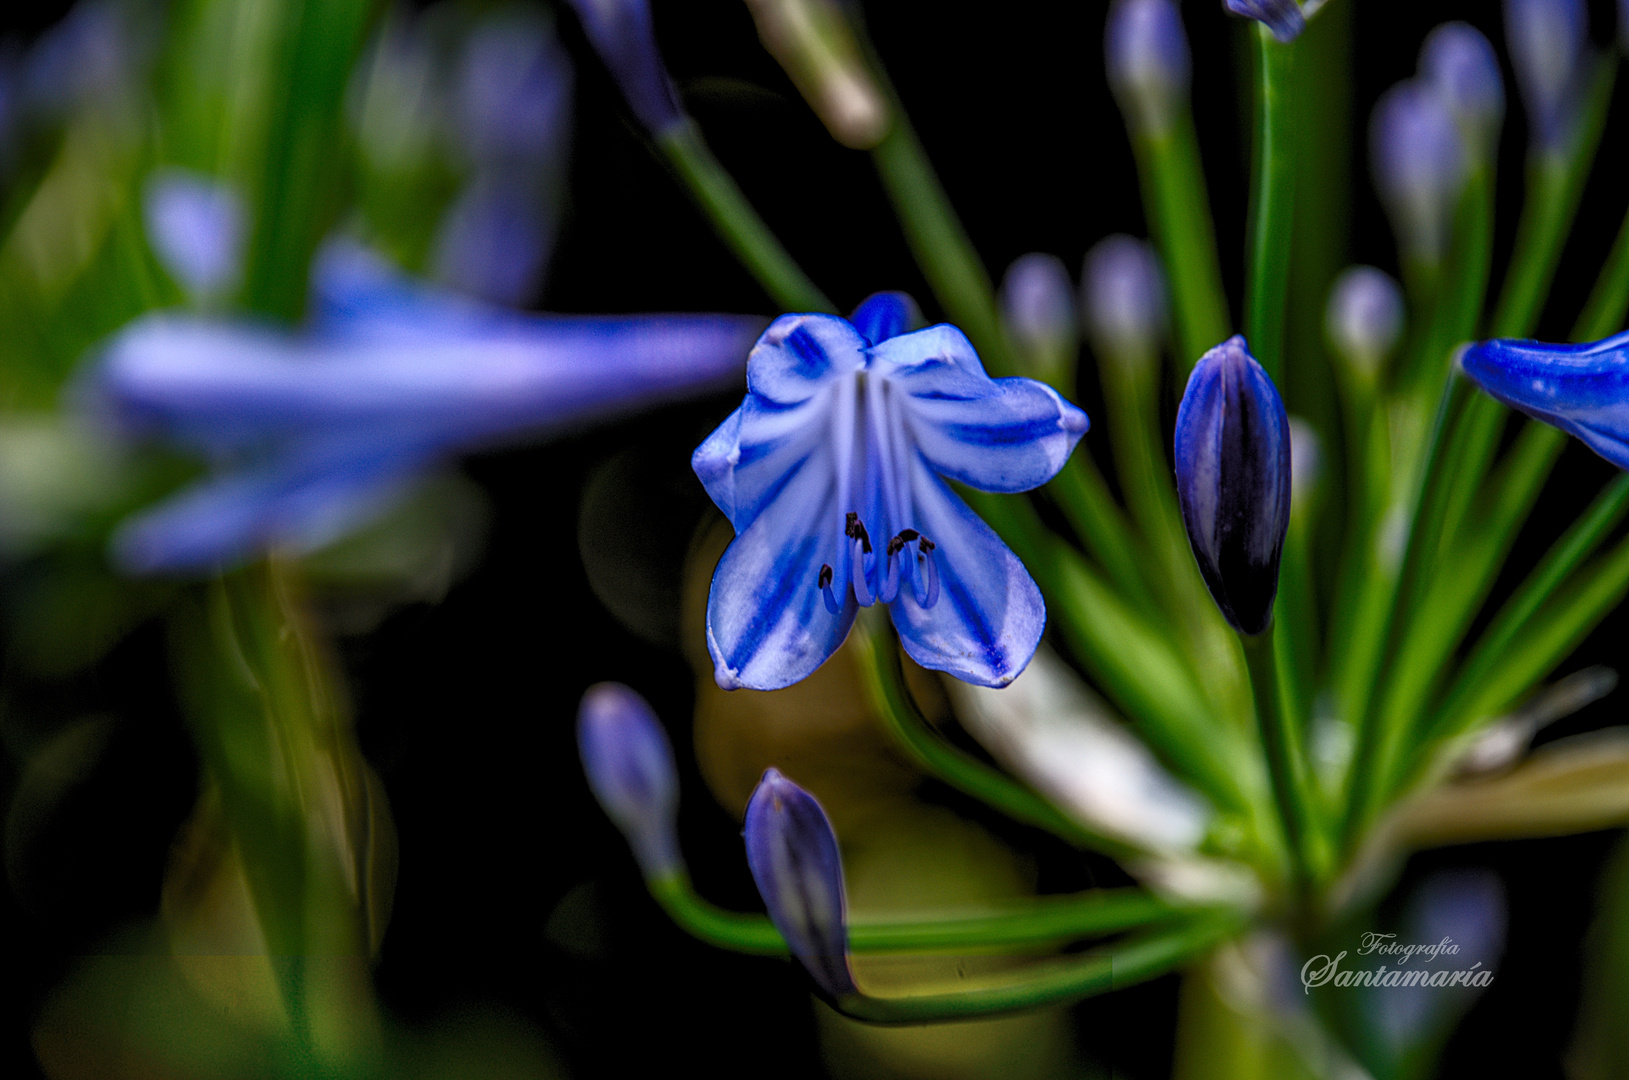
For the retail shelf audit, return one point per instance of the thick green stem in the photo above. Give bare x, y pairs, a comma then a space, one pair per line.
1044, 920
1056, 982
1272, 203
1178, 208
737, 223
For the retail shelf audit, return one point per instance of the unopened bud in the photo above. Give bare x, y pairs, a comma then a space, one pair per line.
813, 41
1364, 318
1233, 481
1461, 64
1038, 306
196, 226
792, 852
1419, 158
1123, 294
622, 33
1546, 40
1146, 56
630, 769
1283, 17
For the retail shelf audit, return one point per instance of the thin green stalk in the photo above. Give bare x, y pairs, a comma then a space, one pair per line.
1178, 208
737, 223
1286, 762
1043, 920
911, 732
939, 243
1056, 982
1511, 626
1272, 203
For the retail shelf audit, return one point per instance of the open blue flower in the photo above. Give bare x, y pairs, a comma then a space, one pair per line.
315, 433
833, 472
1581, 389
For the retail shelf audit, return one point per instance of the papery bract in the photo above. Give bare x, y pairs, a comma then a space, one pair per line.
629, 765
316, 432
833, 472
792, 852
1233, 481
1581, 389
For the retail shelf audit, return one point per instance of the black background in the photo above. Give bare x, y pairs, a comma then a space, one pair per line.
466, 708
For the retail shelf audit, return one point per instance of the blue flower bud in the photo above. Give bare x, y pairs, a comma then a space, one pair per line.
1233, 481
630, 769
513, 92
1546, 43
196, 226
1038, 304
1364, 318
792, 851
1577, 388
1419, 159
1123, 293
622, 33
1461, 64
1146, 56
1282, 17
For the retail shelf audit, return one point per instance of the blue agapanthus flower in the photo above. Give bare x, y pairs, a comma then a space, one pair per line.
1581, 389
833, 472
315, 433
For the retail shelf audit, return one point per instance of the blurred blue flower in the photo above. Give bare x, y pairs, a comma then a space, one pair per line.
315, 433
1145, 53
197, 226
1365, 317
1283, 17
1460, 62
792, 852
1546, 40
833, 472
629, 765
1581, 389
622, 33
1233, 481
1419, 156
1124, 296
1038, 306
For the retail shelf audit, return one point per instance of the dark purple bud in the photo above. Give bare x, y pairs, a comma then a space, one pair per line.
622, 33
792, 851
1282, 17
1233, 480
630, 768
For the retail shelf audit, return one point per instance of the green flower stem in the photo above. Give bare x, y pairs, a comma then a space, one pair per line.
1512, 628
1044, 920
1143, 957
1178, 207
938, 241
1081, 493
1272, 203
737, 223
1286, 760
1296, 627
299, 187
1372, 742
911, 732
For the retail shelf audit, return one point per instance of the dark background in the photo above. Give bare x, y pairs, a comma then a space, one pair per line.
466, 708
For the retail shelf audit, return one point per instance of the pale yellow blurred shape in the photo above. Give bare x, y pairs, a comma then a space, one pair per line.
822, 732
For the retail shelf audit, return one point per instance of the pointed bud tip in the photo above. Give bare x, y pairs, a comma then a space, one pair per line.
1146, 56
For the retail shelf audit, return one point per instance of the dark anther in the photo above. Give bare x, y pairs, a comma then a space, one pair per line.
855, 528
926, 545
825, 575
907, 535
894, 545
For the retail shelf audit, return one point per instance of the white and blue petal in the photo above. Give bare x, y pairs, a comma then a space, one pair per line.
800, 354
1582, 389
768, 625
988, 617
993, 434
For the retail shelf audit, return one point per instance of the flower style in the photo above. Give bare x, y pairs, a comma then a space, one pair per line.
833, 472
316, 433
1581, 389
